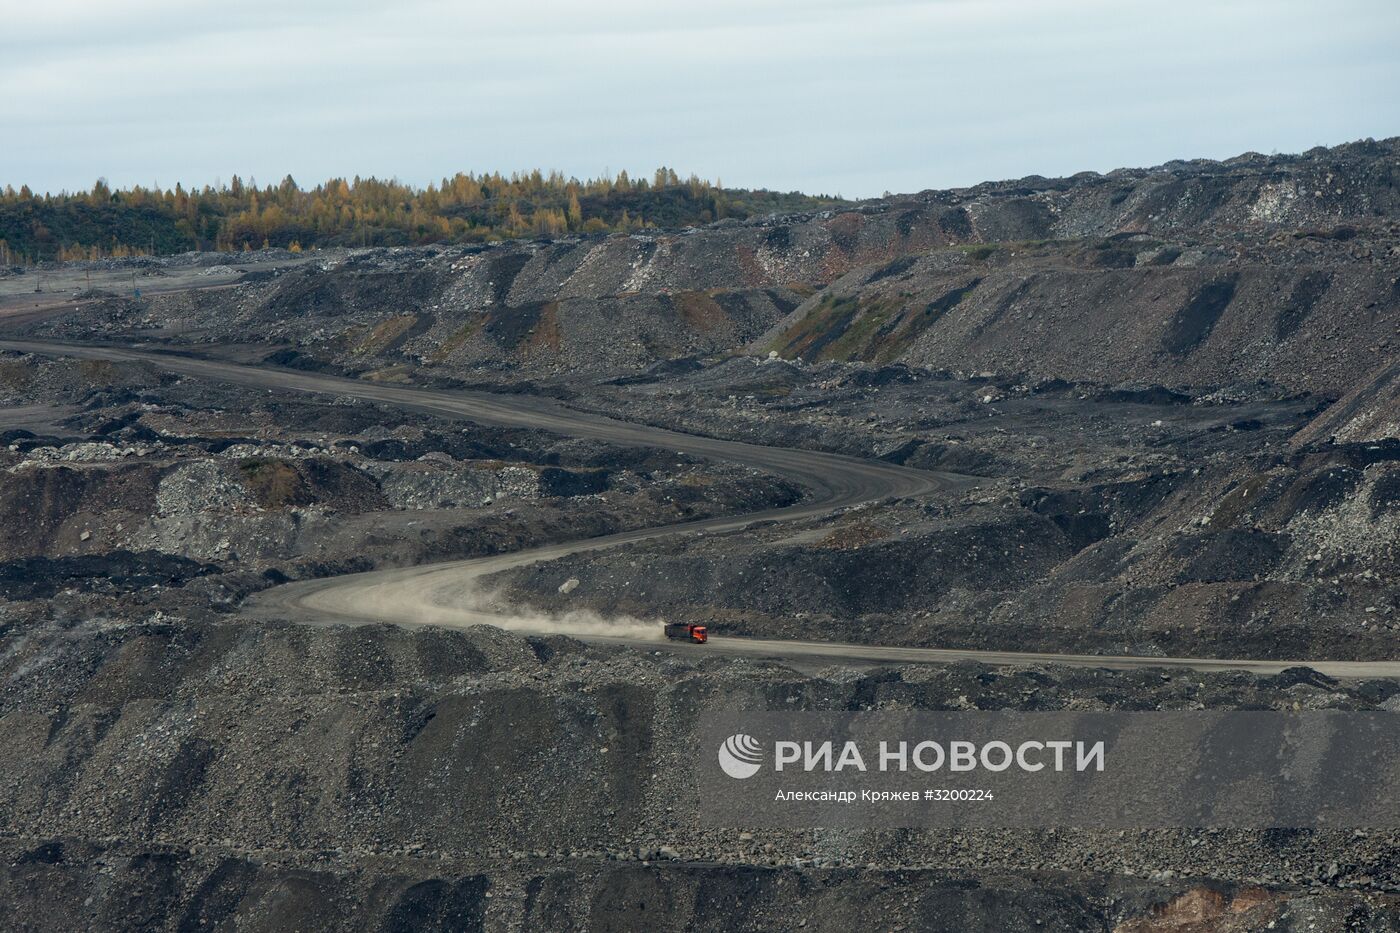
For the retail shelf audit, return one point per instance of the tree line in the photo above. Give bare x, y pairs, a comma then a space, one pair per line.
466, 208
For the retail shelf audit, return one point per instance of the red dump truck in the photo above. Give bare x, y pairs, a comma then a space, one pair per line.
683, 631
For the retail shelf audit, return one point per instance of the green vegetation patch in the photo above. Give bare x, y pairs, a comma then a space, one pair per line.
16, 375
383, 335
862, 340
458, 338
1237, 501
275, 484
528, 326
981, 252
822, 325
399, 373
100, 372
700, 310
546, 335
876, 328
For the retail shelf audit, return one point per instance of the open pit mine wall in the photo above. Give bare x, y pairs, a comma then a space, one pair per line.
1284, 268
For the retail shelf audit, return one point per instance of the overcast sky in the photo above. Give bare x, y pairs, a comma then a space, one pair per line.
836, 96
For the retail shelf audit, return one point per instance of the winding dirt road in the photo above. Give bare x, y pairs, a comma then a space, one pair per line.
455, 594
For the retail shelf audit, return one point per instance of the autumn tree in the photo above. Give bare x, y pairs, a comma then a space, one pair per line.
575, 211
465, 207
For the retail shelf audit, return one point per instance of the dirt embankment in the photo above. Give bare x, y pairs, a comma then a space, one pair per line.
1313, 314
130, 488
1119, 519
227, 768
1197, 272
